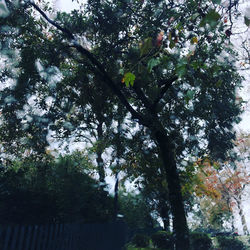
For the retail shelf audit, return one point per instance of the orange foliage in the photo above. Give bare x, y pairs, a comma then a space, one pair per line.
220, 184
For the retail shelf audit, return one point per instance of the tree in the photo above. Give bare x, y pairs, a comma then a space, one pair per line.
214, 201
221, 185
171, 84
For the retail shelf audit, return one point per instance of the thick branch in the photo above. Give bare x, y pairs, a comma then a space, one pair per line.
166, 85
143, 98
109, 82
106, 78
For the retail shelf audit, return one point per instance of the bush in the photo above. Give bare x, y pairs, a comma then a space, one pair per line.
163, 239
226, 243
140, 240
200, 241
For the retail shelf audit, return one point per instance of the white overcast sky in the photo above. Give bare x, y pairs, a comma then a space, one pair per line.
66, 5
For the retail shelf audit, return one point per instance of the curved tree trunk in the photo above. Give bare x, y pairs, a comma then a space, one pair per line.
180, 226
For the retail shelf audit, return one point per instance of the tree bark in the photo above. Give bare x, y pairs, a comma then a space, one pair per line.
242, 217
180, 227
164, 211
116, 197
99, 160
165, 218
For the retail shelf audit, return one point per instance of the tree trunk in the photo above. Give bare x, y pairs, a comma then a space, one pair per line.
118, 155
242, 217
166, 222
116, 197
99, 160
180, 227
164, 211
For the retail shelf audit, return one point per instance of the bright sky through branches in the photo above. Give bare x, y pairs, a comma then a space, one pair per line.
66, 5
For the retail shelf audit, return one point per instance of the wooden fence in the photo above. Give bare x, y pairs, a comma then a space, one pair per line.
109, 236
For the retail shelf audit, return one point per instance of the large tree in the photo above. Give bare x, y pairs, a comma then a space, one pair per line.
167, 64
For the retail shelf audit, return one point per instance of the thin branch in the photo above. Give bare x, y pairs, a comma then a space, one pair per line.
64, 30
142, 97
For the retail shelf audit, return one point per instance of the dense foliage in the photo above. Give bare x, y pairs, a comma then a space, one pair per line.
163, 240
136, 211
52, 191
200, 241
140, 240
162, 70
230, 243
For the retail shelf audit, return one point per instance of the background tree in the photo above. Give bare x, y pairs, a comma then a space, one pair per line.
220, 188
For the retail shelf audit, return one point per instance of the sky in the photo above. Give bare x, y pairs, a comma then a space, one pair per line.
66, 5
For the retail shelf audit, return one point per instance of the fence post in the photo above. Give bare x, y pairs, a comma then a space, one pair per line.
45, 237
60, 238
70, 239
39, 237
55, 237
28, 237
20, 242
67, 237
51, 231
14, 238
33, 243
7, 238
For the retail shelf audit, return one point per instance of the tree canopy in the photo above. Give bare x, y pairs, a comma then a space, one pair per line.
163, 67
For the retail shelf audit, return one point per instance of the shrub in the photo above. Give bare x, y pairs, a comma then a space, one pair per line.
226, 243
140, 240
163, 239
200, 241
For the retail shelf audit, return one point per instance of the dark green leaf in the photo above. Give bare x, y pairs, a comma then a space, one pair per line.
247, 21
211, 18
152, 63
146, 46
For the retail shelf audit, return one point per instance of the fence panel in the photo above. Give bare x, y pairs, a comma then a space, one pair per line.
110, 236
